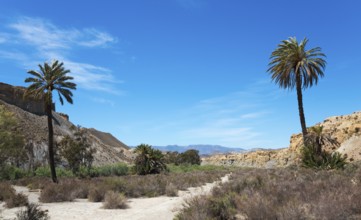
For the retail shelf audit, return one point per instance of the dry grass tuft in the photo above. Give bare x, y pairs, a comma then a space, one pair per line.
16, 200
171, 190
32, 212
113, 200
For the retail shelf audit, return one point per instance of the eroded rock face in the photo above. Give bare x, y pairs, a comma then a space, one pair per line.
34, 129
14, 95
345, 129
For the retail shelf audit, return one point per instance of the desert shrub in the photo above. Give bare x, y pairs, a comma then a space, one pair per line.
171, 190
32, 182
113, 200
16, 200
150, 185
32, 212
96, 194
58, 192
149, 160
312, 158
6, 191
77, 151
222, 207
282, 194
10, 197
189, 157
196, 208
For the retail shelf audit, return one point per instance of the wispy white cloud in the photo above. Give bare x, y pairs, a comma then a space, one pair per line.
238, 119
47, 41
19, 57
103, 101
45, 35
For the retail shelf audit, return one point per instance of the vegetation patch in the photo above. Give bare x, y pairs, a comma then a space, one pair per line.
289, 193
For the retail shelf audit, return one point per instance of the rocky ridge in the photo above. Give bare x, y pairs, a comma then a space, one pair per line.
345, 129
32, 124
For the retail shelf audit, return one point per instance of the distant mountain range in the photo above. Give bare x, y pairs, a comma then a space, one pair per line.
203, 149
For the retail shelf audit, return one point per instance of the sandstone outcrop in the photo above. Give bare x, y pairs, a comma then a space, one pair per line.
345, 129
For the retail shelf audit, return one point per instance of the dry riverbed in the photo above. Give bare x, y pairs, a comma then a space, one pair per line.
159, 208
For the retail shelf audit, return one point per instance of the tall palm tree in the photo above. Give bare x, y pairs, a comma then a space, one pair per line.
293, 66
51, 77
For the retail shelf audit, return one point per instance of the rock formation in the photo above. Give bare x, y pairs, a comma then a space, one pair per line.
33, 125
14, 95
345, 129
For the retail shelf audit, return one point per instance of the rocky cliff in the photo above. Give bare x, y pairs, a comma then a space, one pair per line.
345, 129
33, 126
14, 95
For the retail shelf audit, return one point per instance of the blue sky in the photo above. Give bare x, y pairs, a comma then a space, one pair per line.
185, 71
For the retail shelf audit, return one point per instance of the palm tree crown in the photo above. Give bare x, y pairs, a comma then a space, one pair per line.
293, 66
291, 61
51, 77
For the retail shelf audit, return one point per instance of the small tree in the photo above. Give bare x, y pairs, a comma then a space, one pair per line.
190, 157
12, 149
149, 160
77, 151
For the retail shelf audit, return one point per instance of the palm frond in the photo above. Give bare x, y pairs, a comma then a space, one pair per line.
291, 59
51, 77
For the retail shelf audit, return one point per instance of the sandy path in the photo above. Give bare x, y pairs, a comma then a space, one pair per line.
159, 208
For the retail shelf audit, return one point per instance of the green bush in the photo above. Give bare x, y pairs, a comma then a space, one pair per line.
45, 172
119, 169
312, 158
8, 172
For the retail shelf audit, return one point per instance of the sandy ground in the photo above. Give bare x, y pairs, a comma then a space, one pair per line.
159, 208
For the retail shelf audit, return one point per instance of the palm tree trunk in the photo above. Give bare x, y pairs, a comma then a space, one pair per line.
51, 142
300, 106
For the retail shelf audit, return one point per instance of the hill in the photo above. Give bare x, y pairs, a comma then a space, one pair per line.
32, 123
